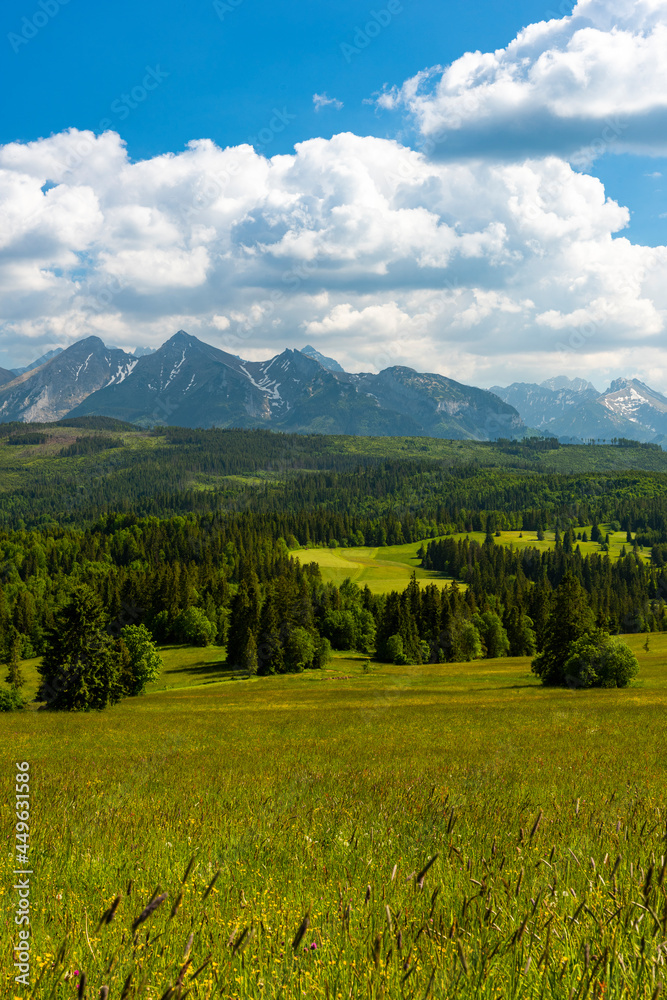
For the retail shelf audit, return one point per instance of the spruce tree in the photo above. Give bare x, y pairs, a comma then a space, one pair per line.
571, 618
249, 660
237, 637
80, 668
270, 656
15, 676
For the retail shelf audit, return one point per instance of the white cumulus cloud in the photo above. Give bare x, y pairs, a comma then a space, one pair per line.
323, 101
591, 82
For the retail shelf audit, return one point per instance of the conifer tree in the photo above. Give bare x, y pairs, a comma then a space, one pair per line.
237, 637
571, 618
80, 668
270, 655
249, 659
15, 676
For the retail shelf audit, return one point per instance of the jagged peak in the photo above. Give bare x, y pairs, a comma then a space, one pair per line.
330, 363
628, 383
559, 382
182, 337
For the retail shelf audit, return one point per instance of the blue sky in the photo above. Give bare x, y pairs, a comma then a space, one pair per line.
229, 66
228, 69
161, 75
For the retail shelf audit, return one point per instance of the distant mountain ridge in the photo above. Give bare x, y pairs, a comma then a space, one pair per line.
326, 362
39, 362
52, 390
189, 383
192, 384
575, 409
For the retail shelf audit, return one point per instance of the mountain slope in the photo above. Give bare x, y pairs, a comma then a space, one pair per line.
6, 376
51, 391
633, 401
187, 383
548, 405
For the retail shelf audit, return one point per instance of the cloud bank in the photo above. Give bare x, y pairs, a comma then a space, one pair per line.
359, 245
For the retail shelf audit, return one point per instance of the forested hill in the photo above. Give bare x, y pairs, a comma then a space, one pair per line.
212, 527
76, 470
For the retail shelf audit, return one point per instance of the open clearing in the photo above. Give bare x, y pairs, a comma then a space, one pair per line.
528, 539
381, 569
390, 567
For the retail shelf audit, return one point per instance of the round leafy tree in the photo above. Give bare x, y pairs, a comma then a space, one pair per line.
599, 660
145, 663
11, 699
80, 668
192, 626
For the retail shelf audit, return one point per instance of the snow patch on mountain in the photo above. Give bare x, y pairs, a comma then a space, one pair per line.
123, 371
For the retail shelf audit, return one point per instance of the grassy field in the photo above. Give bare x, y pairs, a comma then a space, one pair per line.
382, 569
327, 794
390, 567
528, 539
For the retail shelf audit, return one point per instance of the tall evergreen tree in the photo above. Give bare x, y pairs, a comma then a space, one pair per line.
571, 618
239, 626
270, 655
15, 676
80, 668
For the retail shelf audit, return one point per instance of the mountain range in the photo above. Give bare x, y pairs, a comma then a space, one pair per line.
189, 383
573, 409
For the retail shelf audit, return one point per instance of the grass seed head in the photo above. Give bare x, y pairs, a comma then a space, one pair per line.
148, 910
210, 885
188, 870
303, 927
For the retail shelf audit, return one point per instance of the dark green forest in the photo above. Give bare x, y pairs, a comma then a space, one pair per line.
200, 536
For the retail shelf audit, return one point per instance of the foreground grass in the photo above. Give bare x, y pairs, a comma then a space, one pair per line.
328, 794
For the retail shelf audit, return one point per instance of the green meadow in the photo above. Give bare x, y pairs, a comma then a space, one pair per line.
367, 830
528, 539
382, 569
390, 567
